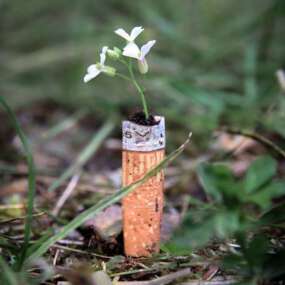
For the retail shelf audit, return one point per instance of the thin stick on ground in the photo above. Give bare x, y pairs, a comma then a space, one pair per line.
166, 279
55, 257
66, 194
259, 138
202, 282
79, 251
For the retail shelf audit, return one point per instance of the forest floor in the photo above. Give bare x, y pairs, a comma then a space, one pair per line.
97, 245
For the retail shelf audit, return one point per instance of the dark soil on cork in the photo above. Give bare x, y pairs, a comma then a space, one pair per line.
140, 119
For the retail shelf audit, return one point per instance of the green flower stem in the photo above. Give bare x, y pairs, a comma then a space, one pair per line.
133, 80
139, 90
124, 77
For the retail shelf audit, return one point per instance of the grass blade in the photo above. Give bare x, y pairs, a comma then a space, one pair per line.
85, 155
63, 126
7, 275
31, 179
89, 213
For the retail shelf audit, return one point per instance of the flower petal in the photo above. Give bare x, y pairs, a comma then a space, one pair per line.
90, 76
103, 55
131, 50
122, 33
146, 48
92, 72
92, 68
143, 66
135, 32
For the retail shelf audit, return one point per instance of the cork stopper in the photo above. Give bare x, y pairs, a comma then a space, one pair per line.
143, 149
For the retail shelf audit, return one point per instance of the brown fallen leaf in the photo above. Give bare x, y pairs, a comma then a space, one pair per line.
108, 223
17, 186
84, 275
211, 272
236, 143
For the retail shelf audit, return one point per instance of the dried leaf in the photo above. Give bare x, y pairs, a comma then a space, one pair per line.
108, 223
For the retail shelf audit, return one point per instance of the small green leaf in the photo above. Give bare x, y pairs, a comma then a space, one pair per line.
274, 216
274, 265
192, 234
259, 173
201, 226
226, 223
266, 194
255, 253
217, 180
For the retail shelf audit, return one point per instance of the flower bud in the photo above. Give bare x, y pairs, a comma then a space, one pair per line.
143, 66
281, 78
117, 50
114, 53
111, 71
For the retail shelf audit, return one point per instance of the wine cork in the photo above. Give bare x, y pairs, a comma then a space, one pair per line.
143, 149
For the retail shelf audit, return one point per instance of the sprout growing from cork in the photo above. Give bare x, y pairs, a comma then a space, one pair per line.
131, 51
143, 147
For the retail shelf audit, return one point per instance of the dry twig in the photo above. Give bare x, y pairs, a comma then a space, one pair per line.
66, 194
161, 280
259, 138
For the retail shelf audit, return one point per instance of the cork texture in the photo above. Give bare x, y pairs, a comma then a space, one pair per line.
142, 209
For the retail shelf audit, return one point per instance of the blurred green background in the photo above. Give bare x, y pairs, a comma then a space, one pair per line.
213, 66
214, 62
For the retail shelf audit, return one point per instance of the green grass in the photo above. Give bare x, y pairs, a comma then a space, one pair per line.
7, 276
31, 180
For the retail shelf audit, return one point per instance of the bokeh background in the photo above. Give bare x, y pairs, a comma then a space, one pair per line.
214, 62
212, 72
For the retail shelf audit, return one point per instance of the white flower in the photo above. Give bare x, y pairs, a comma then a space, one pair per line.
95, 69
132, 50
129, 37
